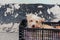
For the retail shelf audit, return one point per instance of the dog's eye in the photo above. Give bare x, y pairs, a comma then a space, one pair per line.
36, 21
31, 20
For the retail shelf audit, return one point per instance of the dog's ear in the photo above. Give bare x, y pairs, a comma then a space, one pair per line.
23, 23
42, 19
28, 16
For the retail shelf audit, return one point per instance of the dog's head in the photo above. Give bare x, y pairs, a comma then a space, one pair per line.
34, 21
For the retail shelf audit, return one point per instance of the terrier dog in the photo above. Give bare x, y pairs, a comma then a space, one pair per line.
34, 21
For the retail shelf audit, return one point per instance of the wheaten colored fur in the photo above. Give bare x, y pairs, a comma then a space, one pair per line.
35, 20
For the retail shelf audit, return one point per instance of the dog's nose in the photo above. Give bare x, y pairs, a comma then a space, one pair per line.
33, 26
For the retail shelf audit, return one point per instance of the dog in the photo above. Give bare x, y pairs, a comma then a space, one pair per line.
34, 21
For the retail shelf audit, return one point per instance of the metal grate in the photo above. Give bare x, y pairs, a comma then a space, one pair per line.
39, 34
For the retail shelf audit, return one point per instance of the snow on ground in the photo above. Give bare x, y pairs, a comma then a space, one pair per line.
9, 27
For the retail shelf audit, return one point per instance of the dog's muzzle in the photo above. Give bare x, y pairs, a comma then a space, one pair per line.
33, 26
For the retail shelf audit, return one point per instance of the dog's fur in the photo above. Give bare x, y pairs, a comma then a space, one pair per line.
34, 21
58, 27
